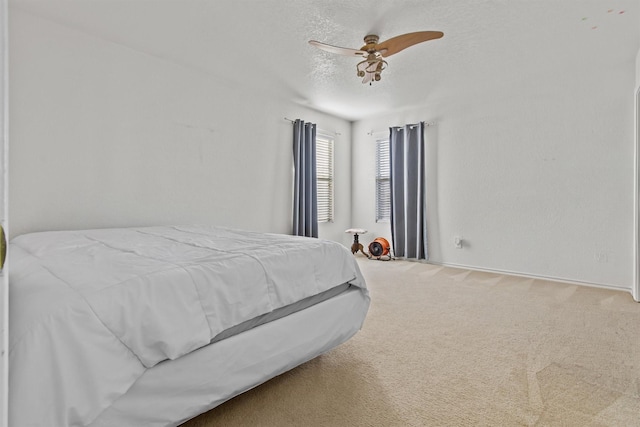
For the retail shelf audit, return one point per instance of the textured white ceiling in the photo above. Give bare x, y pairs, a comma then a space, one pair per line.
262, 44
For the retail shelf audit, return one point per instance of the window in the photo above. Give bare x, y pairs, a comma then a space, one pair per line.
383, 181
324, 177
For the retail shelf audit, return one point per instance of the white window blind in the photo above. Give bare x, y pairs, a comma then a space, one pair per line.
324, 177
383, 181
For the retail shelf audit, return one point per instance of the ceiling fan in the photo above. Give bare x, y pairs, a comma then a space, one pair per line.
375, 53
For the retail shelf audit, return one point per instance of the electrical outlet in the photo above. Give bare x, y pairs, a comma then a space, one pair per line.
457, 242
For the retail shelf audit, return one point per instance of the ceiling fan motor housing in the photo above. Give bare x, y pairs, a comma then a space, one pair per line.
370, 42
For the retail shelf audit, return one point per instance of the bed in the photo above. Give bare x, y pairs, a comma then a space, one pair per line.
152, 326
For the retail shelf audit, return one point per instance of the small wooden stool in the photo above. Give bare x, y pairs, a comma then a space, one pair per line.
357, 246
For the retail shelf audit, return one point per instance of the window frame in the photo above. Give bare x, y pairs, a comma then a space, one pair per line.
325, 162
383, 181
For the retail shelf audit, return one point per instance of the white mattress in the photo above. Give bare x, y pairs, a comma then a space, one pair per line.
175, 391
92, 311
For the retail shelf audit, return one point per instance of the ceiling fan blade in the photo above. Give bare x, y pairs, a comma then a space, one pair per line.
336, 49
398, 43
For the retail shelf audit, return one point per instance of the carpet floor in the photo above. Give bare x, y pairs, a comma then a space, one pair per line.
451, 347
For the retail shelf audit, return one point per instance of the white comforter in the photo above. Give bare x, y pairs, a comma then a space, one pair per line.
91, 310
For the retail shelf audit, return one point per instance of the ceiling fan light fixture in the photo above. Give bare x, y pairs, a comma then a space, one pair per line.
371, 68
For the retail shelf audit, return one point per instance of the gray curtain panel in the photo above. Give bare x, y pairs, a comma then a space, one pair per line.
305, 191
408, 195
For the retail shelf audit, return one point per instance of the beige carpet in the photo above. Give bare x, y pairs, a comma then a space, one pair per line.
448, 347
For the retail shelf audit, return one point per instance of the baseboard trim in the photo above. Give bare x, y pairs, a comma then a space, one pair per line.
533, 276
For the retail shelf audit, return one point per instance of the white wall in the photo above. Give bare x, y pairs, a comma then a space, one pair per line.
4, 276
103, 135
636, 278
638, 69
535, 174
